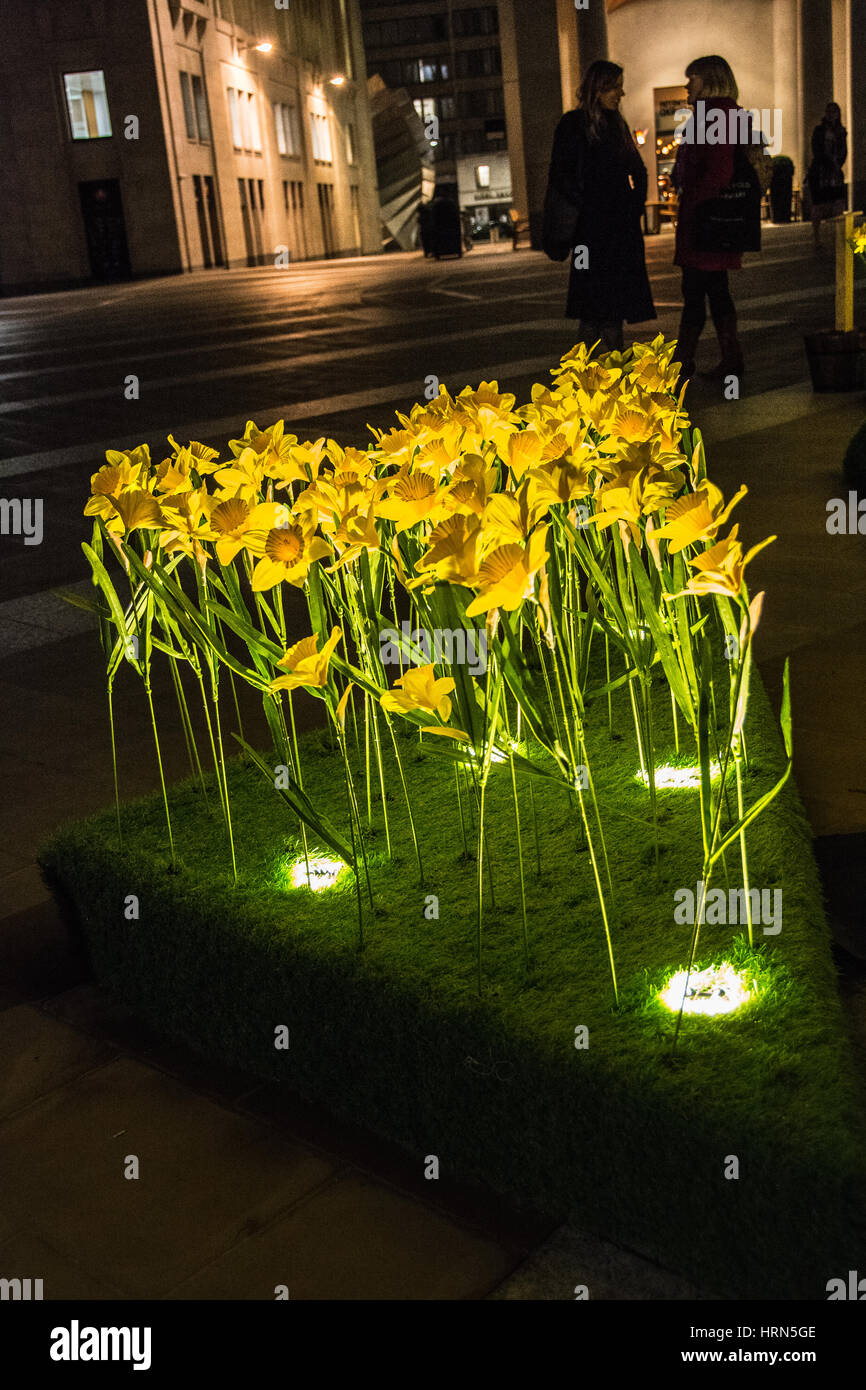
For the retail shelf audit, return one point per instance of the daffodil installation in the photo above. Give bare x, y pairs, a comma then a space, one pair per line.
576, 534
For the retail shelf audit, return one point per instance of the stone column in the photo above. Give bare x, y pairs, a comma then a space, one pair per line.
854, 107
544, 47
816, 69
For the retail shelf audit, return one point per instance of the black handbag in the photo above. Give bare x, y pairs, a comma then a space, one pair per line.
731, 222
558, 224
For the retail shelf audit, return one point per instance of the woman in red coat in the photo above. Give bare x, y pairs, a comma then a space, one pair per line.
703, 168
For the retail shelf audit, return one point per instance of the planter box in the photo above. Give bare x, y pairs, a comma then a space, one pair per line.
836, 360
633, 1143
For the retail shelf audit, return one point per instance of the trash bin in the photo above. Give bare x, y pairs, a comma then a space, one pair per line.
836, 360
446, 237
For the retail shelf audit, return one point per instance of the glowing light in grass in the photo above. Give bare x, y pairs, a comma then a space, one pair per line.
720, 989
323, 873
671, 776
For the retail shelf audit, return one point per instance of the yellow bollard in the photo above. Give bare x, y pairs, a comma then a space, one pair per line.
845, 272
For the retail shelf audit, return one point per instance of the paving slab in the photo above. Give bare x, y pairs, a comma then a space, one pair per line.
87, 1010
37, 957
27, 1255
572, 1265
467, 1204
356, 1239
208, 1176
39, 1053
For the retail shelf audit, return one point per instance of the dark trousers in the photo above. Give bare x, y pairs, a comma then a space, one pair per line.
700, 286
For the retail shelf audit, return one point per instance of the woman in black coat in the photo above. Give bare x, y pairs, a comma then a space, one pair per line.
596, 166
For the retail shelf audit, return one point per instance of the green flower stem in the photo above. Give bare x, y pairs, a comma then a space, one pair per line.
110, 693
161, 772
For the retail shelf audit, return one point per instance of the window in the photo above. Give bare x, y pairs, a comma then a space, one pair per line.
286, 194
482, 175
287, 129
322, 151
235, 118
87, 104
479, 62
195, 111
201, 115
350, 143
254, 127
188, 109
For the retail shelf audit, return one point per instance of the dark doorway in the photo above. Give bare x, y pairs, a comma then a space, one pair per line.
247, 223
207, 258
214, 220
105, 229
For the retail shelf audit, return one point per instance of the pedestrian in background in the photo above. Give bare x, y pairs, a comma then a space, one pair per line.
702, 171
597, 188
825, 177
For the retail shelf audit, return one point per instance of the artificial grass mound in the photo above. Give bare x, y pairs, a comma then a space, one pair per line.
619, 1135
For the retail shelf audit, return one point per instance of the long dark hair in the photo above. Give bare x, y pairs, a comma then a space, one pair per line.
600, 77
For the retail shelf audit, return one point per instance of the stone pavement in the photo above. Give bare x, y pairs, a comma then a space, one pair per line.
243, 1188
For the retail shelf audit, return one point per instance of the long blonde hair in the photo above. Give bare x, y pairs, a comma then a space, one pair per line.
599, 78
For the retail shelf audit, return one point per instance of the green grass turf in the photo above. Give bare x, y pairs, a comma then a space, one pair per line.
619, 1137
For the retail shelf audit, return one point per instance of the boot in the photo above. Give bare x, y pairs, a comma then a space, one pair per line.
731, 363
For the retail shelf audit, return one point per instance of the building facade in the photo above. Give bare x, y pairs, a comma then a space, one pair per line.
446, 54
161, 136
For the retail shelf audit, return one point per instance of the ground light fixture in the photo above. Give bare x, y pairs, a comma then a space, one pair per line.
719, 989
323, 873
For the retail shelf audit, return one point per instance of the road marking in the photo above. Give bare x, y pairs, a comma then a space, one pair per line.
287, 364
324, 407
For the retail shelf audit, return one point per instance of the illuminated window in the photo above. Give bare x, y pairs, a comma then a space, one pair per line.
254, 127
350, 143
287, 128
482, 175
322, 151
87, 104
235, 118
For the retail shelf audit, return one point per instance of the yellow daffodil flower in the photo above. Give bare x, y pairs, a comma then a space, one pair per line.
419, 689
412, 497
505, 577
452, 551
720, 569
236, 523
305, 665
288, 553
134, 511
696, 516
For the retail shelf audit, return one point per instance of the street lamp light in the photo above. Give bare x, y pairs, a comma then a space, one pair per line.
338, 80
264, 47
